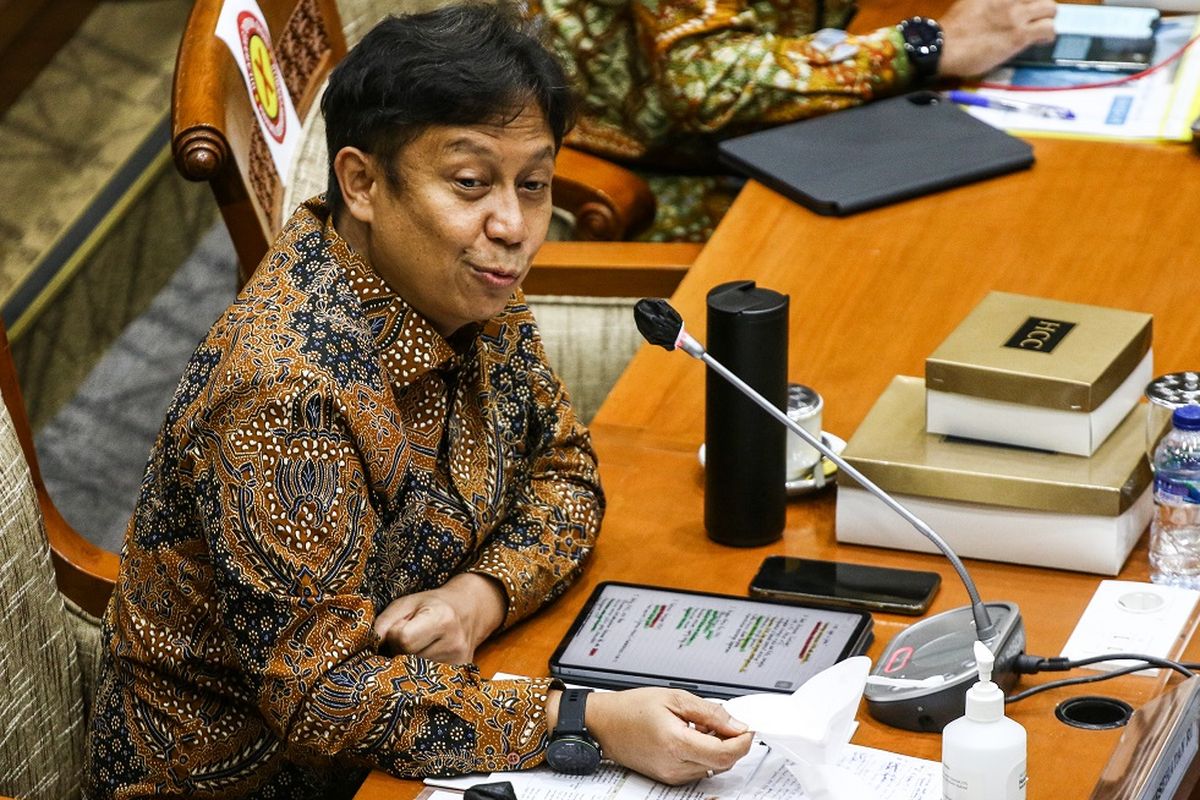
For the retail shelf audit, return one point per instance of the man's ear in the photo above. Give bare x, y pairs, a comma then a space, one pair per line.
356, 176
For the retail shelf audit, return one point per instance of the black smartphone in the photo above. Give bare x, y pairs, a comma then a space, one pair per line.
1080, 51
831, 583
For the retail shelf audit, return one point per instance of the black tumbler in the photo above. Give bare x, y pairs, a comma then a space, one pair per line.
745, 449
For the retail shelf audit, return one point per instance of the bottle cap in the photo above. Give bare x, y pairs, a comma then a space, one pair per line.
1186, 418
985, 701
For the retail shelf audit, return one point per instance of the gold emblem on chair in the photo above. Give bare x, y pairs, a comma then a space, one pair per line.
263, 70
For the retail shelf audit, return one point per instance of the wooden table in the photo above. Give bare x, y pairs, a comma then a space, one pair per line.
871, 296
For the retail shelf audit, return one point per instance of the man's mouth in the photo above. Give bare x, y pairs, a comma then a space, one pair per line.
496, 274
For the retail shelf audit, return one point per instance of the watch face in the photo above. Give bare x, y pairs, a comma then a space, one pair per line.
573, 755
921, 34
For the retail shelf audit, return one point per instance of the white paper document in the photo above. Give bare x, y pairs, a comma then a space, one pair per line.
761, 775
1095, 20
1160, 106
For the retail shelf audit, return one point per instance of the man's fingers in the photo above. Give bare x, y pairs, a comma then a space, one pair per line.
418, 632
393, 613
711, 752
1042, 31
707, 716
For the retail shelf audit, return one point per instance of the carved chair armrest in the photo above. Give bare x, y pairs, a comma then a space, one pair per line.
609, 201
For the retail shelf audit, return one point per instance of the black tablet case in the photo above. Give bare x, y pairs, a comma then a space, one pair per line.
875, 154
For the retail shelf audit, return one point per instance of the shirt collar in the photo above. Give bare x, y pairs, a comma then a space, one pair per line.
409, 346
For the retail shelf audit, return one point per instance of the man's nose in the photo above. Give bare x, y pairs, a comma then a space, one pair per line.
506, 219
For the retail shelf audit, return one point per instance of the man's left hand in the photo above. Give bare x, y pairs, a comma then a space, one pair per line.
444, 624
981, 34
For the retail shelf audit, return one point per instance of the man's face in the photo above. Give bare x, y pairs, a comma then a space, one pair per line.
457, 236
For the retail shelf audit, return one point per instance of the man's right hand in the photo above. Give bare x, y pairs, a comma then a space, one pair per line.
982, 34
668, 735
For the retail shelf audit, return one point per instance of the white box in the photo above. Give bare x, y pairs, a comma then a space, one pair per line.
1079, 433
1085, 543
1039, 373
994, 501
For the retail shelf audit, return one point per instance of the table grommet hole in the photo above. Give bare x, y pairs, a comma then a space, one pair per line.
1095, 713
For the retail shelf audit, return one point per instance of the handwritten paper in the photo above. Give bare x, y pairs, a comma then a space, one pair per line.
761, 775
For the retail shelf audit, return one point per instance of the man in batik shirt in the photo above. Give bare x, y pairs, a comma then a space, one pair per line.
368, 468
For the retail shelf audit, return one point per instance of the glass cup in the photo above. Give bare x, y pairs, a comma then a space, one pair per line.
1163, 395
804, 407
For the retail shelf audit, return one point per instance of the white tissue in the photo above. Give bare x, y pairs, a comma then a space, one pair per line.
812, 726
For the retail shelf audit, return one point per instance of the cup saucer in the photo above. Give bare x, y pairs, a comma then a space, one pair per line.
809, 483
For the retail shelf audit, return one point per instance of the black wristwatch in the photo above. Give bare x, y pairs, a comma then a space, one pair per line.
572, 750
923, 41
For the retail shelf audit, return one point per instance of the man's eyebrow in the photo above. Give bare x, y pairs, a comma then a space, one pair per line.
473, 147
467, 145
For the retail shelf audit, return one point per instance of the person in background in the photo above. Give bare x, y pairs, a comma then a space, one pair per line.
662, 81
368, 468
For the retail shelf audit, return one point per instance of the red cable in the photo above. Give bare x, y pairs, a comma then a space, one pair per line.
1102, 85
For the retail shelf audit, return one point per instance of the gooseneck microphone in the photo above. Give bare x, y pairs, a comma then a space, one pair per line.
920, 681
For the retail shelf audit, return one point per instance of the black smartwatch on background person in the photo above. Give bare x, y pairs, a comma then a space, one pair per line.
923, 41
572, 750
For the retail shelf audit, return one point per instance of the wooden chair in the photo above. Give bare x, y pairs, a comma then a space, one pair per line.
49, 634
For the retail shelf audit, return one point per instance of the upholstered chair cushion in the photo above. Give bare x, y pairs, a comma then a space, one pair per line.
85, 630
41, 689
588, 341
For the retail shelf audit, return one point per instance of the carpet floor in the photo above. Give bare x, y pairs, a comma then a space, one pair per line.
93, 451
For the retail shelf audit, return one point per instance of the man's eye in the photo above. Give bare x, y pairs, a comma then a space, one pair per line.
535, 186
469, 183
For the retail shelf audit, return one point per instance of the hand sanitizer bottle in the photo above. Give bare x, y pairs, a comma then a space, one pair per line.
983, 752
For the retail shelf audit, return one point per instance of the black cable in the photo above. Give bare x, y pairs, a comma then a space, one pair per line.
1029, 665
1100, 676
1032, 664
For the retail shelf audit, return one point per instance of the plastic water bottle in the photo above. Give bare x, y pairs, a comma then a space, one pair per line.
1175, 531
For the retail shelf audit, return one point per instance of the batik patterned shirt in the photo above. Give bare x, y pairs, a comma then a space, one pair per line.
662, 80
326, 452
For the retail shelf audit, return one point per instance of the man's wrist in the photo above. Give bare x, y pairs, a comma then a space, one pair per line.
572, 748
924, 43
486, 599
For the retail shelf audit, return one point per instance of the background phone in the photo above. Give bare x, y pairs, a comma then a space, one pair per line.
802, 580
1109, 53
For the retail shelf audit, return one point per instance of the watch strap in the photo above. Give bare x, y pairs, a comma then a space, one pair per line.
571, 706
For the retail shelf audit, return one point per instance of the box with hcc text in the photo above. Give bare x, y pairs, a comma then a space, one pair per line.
1038, 373
993, 501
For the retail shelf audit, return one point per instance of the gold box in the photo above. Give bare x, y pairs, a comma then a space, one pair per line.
994, 501
1039, 373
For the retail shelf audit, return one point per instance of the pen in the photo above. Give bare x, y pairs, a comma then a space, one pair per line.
1038, 109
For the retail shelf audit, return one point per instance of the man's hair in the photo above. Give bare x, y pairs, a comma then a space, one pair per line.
459, 65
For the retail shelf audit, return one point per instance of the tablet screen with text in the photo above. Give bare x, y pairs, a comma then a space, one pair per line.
715, 645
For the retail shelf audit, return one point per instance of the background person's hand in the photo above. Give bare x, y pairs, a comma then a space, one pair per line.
444, 624
982, 34
648, 731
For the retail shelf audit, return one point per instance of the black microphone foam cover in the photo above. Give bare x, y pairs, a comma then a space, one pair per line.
658, 322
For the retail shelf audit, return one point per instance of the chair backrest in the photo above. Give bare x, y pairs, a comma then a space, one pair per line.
216, 137
43, 686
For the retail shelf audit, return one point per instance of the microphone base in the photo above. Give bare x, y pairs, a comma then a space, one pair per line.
942, 645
